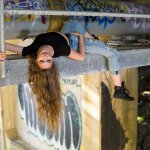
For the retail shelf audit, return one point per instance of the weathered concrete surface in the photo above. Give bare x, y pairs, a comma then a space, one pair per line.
16, 70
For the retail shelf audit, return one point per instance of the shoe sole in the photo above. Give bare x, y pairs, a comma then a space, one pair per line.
130, 100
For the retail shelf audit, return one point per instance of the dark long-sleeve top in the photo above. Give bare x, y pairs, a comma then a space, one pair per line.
54, 39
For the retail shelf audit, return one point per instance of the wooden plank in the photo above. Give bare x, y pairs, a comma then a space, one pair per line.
119, 116
91, 112
128, 111
1, 123
108, 123
143, 1
9, 97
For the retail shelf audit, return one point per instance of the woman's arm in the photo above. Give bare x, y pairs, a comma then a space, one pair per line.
14, 48
80, 55
11, 48
2, 57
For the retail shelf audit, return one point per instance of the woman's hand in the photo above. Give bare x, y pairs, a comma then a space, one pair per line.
2, 57
77, 34
88, 35
80, 54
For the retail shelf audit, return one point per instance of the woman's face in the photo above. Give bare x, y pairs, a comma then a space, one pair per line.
44, 57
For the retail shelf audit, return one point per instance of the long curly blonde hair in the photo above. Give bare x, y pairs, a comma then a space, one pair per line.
46, 86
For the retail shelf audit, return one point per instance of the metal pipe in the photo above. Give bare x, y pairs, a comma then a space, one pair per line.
74, 13
2, 38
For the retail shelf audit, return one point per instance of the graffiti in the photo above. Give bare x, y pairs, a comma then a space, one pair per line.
71, 82
26, 18
97, 6
25, 4
70, 132
138, 22
117, 7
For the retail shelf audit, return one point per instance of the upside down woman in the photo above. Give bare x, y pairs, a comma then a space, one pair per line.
73, 41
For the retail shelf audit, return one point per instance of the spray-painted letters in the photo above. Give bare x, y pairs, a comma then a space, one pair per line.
70, 133
25, 4
97, 6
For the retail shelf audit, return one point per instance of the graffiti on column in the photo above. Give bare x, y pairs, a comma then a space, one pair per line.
71, 82
97, 6
70, 132
117, 7
25, 4
138, 22
23, 26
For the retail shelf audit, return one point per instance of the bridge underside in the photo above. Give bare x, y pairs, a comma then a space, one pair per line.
16, 69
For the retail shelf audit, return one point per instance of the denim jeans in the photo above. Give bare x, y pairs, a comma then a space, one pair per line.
92, 46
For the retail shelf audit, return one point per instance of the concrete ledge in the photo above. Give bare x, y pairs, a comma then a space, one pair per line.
16, 70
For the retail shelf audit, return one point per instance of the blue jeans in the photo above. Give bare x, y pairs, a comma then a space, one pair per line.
92, 46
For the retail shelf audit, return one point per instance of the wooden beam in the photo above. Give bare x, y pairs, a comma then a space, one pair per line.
8, 102
91, 111
119, 117
1, 123
143, 1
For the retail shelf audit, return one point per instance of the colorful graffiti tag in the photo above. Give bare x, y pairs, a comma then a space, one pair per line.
70, 132
96, 6
138, 22
110, 6
105, 25
25, 4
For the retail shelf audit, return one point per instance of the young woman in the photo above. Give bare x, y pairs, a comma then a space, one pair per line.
73, 41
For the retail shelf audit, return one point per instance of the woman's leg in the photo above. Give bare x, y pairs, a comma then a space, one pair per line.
112, 55
116, 79
73, 26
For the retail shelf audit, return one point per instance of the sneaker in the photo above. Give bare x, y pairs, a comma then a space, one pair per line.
122, 93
